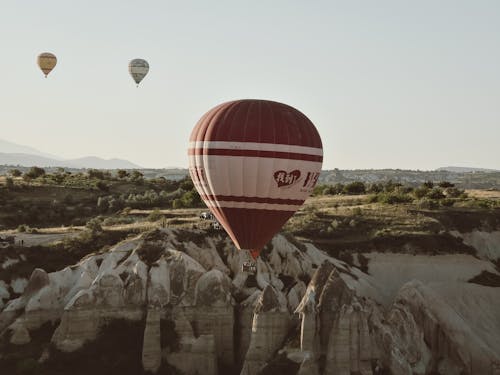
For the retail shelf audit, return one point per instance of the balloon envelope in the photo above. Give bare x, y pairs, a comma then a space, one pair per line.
46, 62
138, 68
254, 162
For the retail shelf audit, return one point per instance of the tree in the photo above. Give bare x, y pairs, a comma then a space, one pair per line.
137, 176
421, 191
186, 184
446, 184
102, 186
356, 187
435, 193
191, 199
428, 184
15, 172
122, 173
9, 183
95, 173
35, 172
94, 225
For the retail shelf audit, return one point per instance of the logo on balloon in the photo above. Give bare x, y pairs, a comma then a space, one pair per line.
284, 178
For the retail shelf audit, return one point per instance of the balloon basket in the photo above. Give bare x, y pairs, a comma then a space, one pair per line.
249, 267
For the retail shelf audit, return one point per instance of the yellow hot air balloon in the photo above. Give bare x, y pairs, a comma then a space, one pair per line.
46, 61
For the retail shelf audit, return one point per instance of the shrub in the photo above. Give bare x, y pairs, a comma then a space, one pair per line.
177, 203
22, 228
102, 186
445, 184
375, 188
394, 198
35, 172
421, 192
94, 225
453, 192
15, 172
9, 183
435, 193
427, 203
447, 202
428, 184
390, 186
122, 173
95, 173
356, 187
191, 199
137, 176
155, 215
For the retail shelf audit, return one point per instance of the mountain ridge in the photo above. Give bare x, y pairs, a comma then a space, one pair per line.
15, 154
29, 160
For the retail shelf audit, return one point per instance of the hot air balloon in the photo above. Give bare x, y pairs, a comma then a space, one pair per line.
254, 162
138, 68
46, 61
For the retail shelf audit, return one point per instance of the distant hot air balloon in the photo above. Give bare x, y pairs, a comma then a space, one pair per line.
254, 162
138, 68
46, 61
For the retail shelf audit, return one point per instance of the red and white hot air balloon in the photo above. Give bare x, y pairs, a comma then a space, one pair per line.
254, 162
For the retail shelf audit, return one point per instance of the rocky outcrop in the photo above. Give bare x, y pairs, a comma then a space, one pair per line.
219, 319
151, 351
487, 244
270, 326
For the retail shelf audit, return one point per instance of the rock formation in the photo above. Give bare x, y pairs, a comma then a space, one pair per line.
202, 314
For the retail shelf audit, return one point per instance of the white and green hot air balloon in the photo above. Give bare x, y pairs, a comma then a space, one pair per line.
138, 68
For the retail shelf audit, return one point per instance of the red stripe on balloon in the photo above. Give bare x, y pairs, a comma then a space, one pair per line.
234, 198
254, 153
263, 225
259, 121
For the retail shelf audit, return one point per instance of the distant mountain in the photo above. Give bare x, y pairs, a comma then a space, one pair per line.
99, 163
29, 160
466, 169
15, 154
14, 148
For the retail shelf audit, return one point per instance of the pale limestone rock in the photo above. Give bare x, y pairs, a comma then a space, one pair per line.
214, 314
207, 257
20, 334
245, 320
334, 295
271, 323
184, 274
18, 285
309, 366
446, 332
295, 295
265, 276
151, 349
38, 280
79, 323
308, 310
287, 259
159, 284
196, 356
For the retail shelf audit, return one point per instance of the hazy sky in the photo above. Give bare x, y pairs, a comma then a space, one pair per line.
397, 84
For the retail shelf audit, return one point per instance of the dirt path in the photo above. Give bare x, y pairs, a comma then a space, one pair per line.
37, 239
